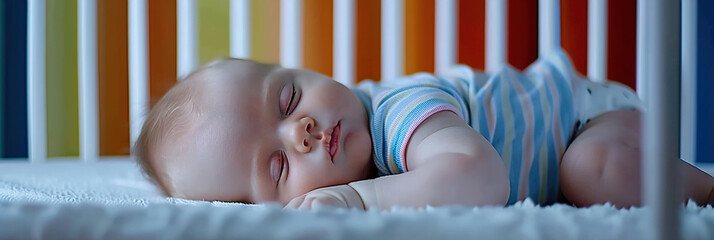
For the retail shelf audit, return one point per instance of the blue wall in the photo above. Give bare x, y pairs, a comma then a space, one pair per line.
2, 60
705, 81
13, 79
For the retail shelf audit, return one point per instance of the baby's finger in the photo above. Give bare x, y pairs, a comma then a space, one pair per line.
327, 203
306, 204
295, 202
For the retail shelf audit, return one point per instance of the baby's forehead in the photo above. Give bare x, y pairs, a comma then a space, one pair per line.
239, 69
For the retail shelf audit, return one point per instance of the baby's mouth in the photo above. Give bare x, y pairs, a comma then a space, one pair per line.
334, 144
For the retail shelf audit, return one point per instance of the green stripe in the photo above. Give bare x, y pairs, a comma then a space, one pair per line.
213, 30
62, 92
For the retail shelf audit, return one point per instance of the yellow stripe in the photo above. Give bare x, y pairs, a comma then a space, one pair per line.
62, 89
265, 30
543, 153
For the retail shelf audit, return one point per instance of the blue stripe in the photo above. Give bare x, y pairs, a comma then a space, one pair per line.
2, 78
705, 82
419, 111
567, 119
551, 171
517, 126
482, 111
534, 174
14, 79
498, 141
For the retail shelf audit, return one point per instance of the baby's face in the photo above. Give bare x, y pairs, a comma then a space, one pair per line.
264, 133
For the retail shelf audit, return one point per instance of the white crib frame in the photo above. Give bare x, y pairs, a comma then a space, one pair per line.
657, 29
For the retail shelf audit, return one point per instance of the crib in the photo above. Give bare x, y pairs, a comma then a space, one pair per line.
24, 200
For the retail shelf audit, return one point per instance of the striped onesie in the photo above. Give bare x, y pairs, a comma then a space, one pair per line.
528, 117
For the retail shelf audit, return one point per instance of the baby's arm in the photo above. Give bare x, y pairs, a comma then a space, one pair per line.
449, 163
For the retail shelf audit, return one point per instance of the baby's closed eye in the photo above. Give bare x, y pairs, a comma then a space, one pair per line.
287, 99
277, 166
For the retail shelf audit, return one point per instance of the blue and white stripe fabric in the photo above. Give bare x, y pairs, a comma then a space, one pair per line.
528, 117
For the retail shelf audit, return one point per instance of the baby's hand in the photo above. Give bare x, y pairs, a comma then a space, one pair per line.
342, 196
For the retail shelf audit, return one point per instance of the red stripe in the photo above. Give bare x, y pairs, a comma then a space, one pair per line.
471, 36
574, 32
522, 33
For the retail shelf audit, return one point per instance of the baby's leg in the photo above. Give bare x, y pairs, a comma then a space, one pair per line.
602, 164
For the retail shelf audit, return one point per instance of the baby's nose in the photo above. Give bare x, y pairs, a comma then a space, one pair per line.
302, 136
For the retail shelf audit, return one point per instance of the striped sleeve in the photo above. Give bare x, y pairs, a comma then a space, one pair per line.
400, 107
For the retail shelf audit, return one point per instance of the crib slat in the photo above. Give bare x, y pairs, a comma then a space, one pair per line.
659, 31
445, 39
186, 37
36, 93
240, 28
548, 26
88, 107
392, 39
641, 74
689, 78
291, 33
496, 39
344, 42
138, 67
597, 40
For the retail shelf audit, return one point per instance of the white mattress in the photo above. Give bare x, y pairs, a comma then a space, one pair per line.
69, 200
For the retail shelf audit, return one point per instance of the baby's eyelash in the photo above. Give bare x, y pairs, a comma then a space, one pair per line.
282, 166
292, 98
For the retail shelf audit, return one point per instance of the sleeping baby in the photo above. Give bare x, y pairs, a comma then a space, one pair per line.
240, 131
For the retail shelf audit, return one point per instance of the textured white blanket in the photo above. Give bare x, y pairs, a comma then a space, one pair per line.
69, 200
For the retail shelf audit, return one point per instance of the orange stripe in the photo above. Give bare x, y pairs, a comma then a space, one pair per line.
368, 39
162, 47
317, 36
419, 36
112, 61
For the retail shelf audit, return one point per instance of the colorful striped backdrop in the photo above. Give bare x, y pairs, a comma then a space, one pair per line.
213, 40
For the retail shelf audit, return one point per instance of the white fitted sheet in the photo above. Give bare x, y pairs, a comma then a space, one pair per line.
111, 199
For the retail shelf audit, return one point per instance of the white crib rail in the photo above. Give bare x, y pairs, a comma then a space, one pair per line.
445, 39
344, 42
548, 26
496, 29
88, 107
186, 37
291, 33
36, 93
689, 79
659, 61
240, 28
392, 39
138, 67
597, 40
